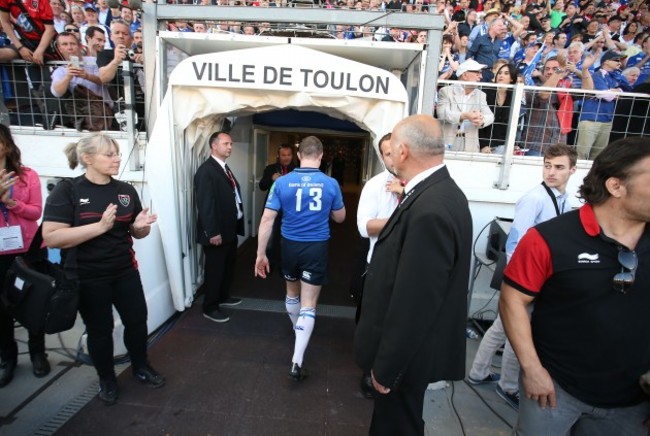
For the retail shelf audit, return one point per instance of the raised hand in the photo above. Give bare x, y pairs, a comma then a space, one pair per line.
108, 217
588, 61
144, 220
7, 180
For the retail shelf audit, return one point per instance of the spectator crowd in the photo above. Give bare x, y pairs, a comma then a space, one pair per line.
590, 45
88, 42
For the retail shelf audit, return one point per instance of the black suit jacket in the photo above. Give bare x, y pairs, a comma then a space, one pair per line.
412, 325
215, 200
267, 178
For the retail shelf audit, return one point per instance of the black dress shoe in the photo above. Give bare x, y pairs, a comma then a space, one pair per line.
149, 376
108, 391
366, 387
7, 371
40, 365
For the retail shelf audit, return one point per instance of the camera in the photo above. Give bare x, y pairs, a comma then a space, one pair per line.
131, 55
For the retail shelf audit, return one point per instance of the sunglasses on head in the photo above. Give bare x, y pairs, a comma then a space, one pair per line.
629, 261
72, 30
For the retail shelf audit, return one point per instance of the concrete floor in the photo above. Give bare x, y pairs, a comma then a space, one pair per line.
231, 379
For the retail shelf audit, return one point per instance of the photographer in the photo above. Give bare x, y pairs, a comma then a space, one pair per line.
66, 78
91, 106
110, 65
109, 61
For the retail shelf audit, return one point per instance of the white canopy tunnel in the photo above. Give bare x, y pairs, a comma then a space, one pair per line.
205, 89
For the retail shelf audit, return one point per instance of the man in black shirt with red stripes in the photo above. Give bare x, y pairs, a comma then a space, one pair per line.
588, 274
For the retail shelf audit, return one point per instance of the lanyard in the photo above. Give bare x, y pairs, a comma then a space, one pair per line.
550, 193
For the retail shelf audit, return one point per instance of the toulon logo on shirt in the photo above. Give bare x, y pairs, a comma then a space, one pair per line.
125, 200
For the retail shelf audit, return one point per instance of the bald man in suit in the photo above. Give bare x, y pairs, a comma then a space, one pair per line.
412, 326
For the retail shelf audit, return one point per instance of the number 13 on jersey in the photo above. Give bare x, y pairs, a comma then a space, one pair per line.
315, 199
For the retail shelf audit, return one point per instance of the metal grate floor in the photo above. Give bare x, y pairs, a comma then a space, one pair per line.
278, 307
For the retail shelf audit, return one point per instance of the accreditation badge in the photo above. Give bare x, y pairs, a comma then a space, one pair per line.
11, 238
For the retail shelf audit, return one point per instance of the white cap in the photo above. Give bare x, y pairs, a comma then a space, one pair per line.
469, 65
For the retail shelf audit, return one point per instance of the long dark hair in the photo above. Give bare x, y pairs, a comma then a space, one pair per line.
13, 162
512, 71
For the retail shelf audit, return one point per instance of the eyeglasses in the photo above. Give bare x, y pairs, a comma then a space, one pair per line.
625, 279
112, 155
72, 30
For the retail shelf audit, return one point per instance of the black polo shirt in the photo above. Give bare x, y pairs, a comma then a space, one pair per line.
112, 252
593, 340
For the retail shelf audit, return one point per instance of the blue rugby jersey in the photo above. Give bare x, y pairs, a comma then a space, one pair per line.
306, 197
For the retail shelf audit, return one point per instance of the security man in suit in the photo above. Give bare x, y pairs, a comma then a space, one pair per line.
412, 326
220, 220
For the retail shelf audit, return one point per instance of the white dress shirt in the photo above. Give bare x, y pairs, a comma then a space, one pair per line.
238, 202
375, 203
535, 207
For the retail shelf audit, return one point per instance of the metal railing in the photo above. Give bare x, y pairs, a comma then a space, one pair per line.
535, 117
26, 100
532, 118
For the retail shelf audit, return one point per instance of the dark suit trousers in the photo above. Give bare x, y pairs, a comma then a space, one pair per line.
399, 412
219, 270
